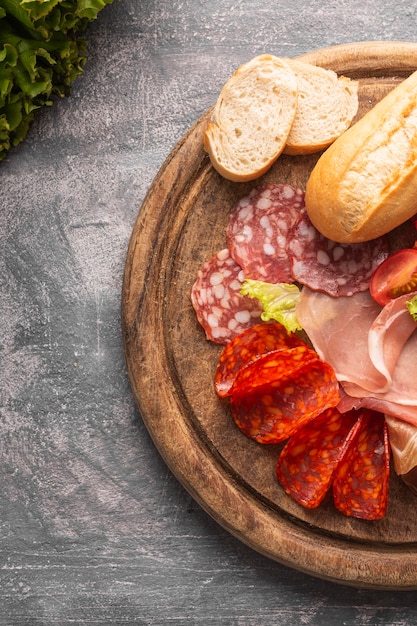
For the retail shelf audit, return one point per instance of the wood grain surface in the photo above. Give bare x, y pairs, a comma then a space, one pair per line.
171, 366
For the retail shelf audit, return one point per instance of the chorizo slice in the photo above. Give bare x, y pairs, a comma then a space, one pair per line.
271, 368
247, 347
220, 307
281, 392
361, 480
307, 463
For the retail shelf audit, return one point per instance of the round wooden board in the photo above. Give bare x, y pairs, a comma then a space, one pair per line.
171, 365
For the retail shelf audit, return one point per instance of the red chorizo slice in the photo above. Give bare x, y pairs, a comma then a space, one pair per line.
360, 485
272, 367
282, 391
335, 268
308, 460
220, 307
247, 347
258, 228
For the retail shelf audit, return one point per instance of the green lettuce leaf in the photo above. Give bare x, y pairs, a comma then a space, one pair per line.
278, 301
41, 54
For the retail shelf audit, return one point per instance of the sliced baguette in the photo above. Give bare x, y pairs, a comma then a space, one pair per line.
326, 106
252, 118
365, 184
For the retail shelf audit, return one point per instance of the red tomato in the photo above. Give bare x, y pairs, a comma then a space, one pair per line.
396, 276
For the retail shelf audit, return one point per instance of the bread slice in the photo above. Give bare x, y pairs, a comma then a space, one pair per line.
365, 184
252, 118
326, 106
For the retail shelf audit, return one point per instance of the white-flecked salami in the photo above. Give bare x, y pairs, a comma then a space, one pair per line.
334, 268
220, 308
258, 229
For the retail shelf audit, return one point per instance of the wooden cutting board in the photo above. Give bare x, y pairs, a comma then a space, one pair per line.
171, 366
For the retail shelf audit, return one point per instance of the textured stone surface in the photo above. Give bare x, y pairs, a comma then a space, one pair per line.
94, 529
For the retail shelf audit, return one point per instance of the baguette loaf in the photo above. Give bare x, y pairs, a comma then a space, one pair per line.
365, 184
252, 118
326, 106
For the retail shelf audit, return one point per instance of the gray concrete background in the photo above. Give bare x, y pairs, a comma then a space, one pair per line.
94, 529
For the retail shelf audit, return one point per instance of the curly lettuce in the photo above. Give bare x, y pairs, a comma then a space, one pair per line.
41, 53
278, 301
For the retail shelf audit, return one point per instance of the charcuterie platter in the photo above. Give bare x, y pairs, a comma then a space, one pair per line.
171, 365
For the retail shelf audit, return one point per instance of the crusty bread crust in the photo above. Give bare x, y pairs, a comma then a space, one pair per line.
252, 118
365, 184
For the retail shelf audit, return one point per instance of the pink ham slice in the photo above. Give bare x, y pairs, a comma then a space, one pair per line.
338, 329
215, 295
403, 442
389, 404
389, 334
371, 349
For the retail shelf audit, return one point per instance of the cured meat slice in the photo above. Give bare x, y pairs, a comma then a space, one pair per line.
335, 268
392, 402
371, 349
338, 329
247, 347
403, 444
280, 392
272, 367
220, 308
360, 485
308, 460
258, 228
388, 335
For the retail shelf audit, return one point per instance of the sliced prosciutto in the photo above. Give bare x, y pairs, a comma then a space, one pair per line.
388, 335
335, 268
338, 329
220, 308
403, 442
372, 350
393, 335
258, 229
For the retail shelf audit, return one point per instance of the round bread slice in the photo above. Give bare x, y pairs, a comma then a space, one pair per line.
326, 106
252, 118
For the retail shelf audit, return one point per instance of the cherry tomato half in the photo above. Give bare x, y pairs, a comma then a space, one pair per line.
396, 276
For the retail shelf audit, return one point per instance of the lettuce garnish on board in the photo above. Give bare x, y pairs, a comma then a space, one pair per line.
278, 301
42, 52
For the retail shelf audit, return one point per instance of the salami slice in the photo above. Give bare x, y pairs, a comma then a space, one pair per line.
247, 347
360, 486
258, 228
335, 268
220, 308
308, 460
280, 392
